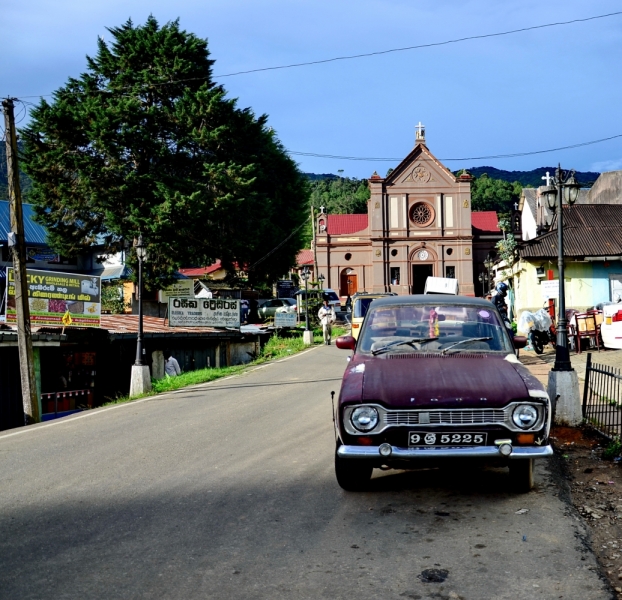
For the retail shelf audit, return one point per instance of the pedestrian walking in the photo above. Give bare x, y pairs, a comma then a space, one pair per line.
244, 309
327, 317
171, 366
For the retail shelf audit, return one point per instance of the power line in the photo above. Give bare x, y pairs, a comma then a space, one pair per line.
418, 47
513, 155
362, 55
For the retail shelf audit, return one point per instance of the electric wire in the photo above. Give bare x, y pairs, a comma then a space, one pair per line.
512, 155
357, 56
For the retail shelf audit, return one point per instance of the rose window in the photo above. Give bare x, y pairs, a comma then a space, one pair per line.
422, 214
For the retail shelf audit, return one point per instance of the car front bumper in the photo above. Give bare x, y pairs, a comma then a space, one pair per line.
397, 453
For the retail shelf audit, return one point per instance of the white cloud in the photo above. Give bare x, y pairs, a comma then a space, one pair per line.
607, 165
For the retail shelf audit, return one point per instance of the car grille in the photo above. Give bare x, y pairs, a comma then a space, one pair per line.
449, 417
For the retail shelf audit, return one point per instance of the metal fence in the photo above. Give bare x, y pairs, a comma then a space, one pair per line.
602, 398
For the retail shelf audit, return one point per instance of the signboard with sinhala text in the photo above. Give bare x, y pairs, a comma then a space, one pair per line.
203, 312
285, 319
182, 288
61, 299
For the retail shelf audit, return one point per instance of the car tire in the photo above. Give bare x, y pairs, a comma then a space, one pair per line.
352, 475
536, 343
521, 475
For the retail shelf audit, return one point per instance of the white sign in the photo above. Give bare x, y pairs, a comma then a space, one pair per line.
198, 312
550, 289
182, 288
285, 319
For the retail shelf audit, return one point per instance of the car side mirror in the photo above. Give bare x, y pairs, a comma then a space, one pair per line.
345, 342
520, 341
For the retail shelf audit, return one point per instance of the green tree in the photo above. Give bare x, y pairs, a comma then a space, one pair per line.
494, 194
145, 142
340, 195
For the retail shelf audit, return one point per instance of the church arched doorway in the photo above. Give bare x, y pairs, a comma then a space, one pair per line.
348, 283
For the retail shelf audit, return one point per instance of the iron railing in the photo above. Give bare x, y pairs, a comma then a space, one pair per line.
602, 398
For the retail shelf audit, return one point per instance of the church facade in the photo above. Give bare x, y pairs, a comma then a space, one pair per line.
418, 224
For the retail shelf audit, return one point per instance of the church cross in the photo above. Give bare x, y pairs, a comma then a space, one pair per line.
548, 178
515, 205
420, 129
322, 210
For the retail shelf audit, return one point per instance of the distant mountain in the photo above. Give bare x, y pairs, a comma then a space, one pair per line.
525, 178
531, 178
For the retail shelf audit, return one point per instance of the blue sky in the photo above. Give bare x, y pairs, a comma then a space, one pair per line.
529, 91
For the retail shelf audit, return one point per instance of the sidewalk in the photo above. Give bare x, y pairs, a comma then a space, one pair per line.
541, 364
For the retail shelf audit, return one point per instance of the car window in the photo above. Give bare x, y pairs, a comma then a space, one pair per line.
289, 301
449, 323
332, 295
361, 306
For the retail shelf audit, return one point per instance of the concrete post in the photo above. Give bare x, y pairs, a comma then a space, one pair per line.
141, 380
157, 364
307, 338
563, 390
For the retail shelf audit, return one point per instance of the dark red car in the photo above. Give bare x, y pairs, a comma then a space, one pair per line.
433, 379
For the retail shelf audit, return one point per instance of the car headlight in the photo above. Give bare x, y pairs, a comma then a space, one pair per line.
364, 418
525, 416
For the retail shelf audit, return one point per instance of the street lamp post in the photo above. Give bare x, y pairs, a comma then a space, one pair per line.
488, 263
565, 187
141, 254
307, 336
141, 377
563, 383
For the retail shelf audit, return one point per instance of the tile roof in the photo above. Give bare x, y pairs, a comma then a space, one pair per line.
305, 257
34, 233
201, 271
485, 220
589, 230
344, 224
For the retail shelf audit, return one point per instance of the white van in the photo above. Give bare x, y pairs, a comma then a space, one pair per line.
441, 285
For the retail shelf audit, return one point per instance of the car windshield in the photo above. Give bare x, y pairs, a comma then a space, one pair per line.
450, 328
289, 301
331, 295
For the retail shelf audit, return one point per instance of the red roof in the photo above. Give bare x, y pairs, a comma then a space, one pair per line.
342, 224
486, 220
305, 257
129, 324
200, 271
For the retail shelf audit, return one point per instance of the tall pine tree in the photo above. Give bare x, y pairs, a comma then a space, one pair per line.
144, 142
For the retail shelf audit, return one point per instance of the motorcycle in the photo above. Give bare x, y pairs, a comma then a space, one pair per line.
540, 327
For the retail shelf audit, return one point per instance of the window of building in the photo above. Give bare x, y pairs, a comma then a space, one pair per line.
449, 251
348, 256
422, 214
394, 252
395, 275
450, 272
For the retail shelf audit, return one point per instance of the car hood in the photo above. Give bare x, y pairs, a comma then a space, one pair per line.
441, 381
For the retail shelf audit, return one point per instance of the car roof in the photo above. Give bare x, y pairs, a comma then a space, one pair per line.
373, 295
436, 299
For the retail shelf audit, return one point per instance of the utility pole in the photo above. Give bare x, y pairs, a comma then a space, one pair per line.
17, 244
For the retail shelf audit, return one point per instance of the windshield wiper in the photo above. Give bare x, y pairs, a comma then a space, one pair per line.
479, 339
402, 343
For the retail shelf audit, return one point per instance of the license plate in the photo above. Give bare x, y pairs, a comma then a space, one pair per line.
428, 438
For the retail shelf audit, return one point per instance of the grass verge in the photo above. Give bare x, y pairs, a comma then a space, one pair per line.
277, 347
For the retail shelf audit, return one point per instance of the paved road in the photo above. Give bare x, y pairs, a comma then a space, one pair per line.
227, 491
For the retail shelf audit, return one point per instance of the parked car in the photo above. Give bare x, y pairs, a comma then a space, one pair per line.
433, 380
611, 327
360, 306
316, 297
268, 309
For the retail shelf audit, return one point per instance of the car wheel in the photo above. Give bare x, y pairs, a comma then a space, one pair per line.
521, 475
536, 343
352, 475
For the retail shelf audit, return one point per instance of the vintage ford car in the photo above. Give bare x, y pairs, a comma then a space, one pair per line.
435, 379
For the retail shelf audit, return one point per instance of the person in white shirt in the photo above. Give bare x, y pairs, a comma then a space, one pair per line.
171, 366
327, 317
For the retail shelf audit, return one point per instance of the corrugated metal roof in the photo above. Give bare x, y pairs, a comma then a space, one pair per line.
305, 257
344, 224
201, 271
485, 220
589, 230
129, 324
33, 232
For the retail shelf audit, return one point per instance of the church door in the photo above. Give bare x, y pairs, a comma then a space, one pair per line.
420, 274
349, 284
